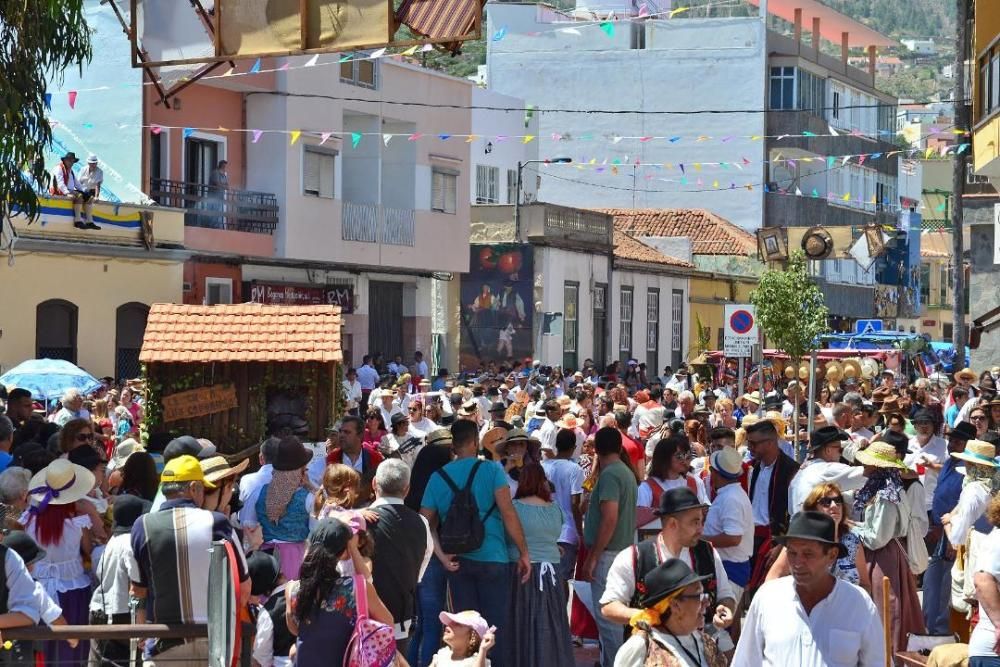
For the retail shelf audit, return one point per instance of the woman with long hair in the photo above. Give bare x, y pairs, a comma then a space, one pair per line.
103, 427
980, 418
76, 433
128, 401
669, 469
55, 523
374, 431
695, 433
139, 476
537, 613
283, 506
321, 604
828, 499
825, 399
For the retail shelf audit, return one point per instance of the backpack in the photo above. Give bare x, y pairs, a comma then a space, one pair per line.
372, 644
463, 529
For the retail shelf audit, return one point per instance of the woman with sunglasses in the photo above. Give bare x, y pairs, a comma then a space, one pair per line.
76, 433
374, 429
981, 420
828, 499
670, 468
419, 423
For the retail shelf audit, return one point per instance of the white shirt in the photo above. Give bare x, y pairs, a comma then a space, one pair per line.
352, 394
114, 571
633, 651
263, 643
971, 504
621, 575
732, 514
421, 368
250, 486
761, 511
984, 636
64, 180
566, 478
842, 630
90, 179
818, 471
368, 377
644, 495
547, 433
935, 451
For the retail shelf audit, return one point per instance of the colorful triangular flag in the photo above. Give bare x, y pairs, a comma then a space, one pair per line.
355, 139
256, 67
295, 136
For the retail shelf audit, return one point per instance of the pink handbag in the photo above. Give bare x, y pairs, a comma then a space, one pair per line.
373, 644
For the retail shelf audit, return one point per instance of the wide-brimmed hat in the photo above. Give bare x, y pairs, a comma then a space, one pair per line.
497, 406
439, 436
291, 455
469, 408
834, 370
668, 577
519, 435
492, 438
823, 436
753, 397
890, 406
978, 452
852, 369
127, 510
988, 384
60, 483
25, 546
880, 394
922, 416
814, 526
264, 571
397, 418
676, 500
966, 374
125, 449
727, 462
70, 156
962, 431
92, 159
218, 468
568, 420
880, 455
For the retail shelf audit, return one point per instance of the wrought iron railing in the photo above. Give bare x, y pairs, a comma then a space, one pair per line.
218, 208
371, 223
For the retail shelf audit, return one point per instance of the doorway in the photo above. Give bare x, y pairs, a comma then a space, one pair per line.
385, 319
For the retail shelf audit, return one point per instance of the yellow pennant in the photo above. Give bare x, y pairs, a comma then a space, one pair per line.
527, 138
295, 136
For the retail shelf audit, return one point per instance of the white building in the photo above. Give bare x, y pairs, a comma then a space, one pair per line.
921, 47
494, 161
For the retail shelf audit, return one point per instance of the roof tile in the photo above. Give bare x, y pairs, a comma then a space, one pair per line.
241, 332
627, 247
709, 233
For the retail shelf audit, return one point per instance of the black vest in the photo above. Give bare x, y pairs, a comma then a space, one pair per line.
645, 559
400, 543
283, 639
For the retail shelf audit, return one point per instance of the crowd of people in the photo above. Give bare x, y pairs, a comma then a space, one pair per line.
507, 518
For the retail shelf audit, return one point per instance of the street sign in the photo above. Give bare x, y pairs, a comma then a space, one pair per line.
740, 330
867, 326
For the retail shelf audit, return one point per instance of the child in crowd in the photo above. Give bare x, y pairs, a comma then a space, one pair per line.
468, 638
273, 642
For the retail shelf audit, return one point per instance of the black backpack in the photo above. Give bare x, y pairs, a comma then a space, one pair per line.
463, 529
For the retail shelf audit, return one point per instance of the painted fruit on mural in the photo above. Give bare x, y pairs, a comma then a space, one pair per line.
487, 259
510, 262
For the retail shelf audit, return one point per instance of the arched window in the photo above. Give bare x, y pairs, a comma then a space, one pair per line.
55, 330
130, 326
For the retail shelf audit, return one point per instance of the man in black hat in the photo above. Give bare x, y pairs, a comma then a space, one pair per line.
64, 183
682, 520
826, 447
927, 452
844, 630
273, 639
937, 577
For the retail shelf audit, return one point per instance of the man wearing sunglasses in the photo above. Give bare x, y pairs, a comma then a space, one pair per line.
826, 445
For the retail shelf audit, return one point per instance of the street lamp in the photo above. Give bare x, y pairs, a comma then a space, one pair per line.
517, 197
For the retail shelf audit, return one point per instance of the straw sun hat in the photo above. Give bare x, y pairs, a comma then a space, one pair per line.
880, 455
60, 483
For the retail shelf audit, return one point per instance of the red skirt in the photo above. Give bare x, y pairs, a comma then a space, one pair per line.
581, 622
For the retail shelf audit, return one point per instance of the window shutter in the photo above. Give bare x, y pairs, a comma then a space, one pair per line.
437, 191
481, 184
326, 179
494, 185
451, 193
311, 173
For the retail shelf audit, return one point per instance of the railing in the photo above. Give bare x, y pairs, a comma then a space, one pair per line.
371, 223
214, 208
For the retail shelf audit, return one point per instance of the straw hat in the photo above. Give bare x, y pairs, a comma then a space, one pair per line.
217, 468
852, 368
754, 397
890, 406
834, 371
978, 452
568, 421
869, 368
60, 483
880, 455
966, 374
804, 372
492, 438
789, 372
125, 449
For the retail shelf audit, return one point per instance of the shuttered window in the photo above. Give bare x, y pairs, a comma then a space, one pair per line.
444, 191
317, 172
487, 184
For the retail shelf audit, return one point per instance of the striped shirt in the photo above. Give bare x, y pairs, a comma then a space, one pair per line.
178, 539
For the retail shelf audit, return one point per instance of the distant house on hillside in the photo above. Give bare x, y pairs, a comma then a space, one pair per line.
921, 47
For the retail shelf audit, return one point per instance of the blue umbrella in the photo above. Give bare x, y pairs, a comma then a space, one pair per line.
49, 378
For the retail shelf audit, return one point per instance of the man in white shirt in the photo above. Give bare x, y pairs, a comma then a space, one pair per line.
729, 522
252, 483
566, 477
368, 377
353, 393
926, 451
91, 178
547, 431
65, 183
811, 619
826, 445
419, 366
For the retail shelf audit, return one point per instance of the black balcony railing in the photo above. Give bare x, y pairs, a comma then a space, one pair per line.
215, 208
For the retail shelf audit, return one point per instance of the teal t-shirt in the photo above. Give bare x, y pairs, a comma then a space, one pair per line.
489, 477
542, 525
615, 483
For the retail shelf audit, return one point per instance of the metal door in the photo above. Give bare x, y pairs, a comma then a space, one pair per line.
385, 319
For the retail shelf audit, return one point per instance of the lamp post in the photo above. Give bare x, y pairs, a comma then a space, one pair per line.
517, 198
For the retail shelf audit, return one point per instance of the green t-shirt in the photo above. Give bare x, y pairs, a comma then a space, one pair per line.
615, 483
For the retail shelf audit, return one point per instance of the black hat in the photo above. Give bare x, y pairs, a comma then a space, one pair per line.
814, 526
678, 500
330, 534
264, 572
291, 454
824, 436
86, 456
24, 546
899, 441
669, 576
127, 510
773, 402
185, 444
397, 418
988, 385
498, 407
922, 416
963, 431
70, 156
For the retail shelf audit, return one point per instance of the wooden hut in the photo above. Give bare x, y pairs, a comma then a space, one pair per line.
236, 373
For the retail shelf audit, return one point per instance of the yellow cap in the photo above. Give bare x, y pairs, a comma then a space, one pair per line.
184, 468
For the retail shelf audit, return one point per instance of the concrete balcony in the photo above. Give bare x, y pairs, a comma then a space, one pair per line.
371, 223
793, 211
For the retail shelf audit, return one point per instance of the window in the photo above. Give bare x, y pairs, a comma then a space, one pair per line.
600, 322
362, 72
946, 285
812, 93
782, 87
512, 186
625, 324
55, 330
487, 184
130, 326
317, 172
836, 104
218, 290
444, 190
676, 327
652, 329
925, 283
571, 301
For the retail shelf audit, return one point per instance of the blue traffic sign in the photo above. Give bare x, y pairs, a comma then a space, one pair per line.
867, 326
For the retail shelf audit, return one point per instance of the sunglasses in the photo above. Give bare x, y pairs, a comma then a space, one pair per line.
977, 418
412, 410
703, 598
680, 456
830, 502
83, 437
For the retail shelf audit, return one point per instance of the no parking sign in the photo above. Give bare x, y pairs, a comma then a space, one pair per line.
740, 330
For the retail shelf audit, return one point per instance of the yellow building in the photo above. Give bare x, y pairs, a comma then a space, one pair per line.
724, 256
985, 93
83, 295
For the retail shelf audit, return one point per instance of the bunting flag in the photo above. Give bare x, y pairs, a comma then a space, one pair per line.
414, 136
497, 36
229, 72
156, 129
295, 136
609, 28
386, 138
528, 138
71, 97
285, 66
187, 132
323, 138
444, 137
312, 61
257, 135
355, 139
410, 51
427, 47
345, 58
678, 10
48, 101
256, 67
377, 54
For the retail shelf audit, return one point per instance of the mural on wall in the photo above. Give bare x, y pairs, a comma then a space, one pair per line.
496, 305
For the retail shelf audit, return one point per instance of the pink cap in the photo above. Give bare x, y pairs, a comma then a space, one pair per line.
468, 618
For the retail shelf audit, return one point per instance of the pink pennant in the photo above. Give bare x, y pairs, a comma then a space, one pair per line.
645, 139
71, 95
284, 67
156, 129
861, 159
415, 136
256, 135
643, 11
556, 137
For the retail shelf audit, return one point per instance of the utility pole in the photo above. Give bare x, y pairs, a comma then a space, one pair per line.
962, 122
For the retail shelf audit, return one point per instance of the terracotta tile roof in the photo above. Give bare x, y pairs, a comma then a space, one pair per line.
935, 245
709, 234
627, 247
241, 332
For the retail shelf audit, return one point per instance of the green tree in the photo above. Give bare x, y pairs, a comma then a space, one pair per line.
39, 39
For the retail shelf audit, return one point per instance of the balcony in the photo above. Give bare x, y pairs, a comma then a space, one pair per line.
210, 208
793, 211
371, 223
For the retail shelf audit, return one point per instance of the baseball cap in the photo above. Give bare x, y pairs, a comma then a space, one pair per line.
469, 618
184, 468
